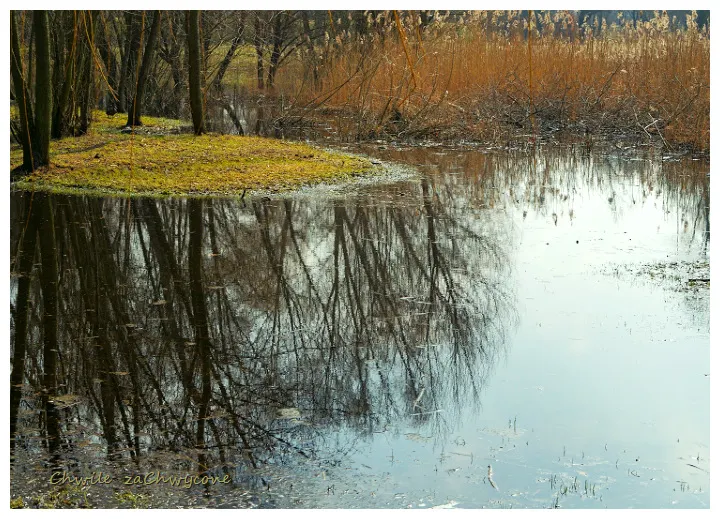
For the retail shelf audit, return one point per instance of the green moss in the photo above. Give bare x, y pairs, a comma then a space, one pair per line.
156, 161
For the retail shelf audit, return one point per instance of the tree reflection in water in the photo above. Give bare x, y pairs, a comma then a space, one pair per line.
207, 336
152, 332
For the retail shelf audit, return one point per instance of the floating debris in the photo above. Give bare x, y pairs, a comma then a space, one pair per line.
289, 413
490, 479
449, 504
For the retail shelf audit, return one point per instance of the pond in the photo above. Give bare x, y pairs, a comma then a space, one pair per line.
504, 329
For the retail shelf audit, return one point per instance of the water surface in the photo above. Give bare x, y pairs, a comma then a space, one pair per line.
504, 330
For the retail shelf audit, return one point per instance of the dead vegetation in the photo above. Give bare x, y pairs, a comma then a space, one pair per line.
497, 75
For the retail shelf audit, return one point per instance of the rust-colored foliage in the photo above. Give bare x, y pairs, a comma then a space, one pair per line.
475, 77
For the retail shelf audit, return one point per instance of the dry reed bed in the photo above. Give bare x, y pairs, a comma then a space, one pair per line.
483, 78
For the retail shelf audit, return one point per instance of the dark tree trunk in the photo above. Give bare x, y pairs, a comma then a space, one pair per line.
43, 90
225, 63
135, 110
22, 96
277, 39
132, 48
195, 71
58, 36
86, 84
30, 60
66, 67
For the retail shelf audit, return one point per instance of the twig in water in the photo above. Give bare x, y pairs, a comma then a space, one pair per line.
490, 479
417, 400
427, 412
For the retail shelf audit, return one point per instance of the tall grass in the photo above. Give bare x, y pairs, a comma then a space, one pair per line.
486, 76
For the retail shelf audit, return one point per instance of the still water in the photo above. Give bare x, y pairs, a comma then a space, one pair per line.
502, 329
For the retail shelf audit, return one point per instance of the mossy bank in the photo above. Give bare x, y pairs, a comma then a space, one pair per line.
158, 159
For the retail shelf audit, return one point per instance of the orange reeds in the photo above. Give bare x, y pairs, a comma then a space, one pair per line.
481, 77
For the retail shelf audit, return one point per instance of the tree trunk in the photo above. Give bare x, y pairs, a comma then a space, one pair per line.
135, 110
195, 70
225, 63
43, 90
132, 46
277, 39
86, 84
58, 121
22, 96
30, 60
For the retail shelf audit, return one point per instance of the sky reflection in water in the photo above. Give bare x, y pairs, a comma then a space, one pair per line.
382, 346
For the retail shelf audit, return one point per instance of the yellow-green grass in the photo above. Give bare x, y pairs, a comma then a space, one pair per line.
153, 162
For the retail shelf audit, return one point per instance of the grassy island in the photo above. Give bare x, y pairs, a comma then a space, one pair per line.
158, 159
